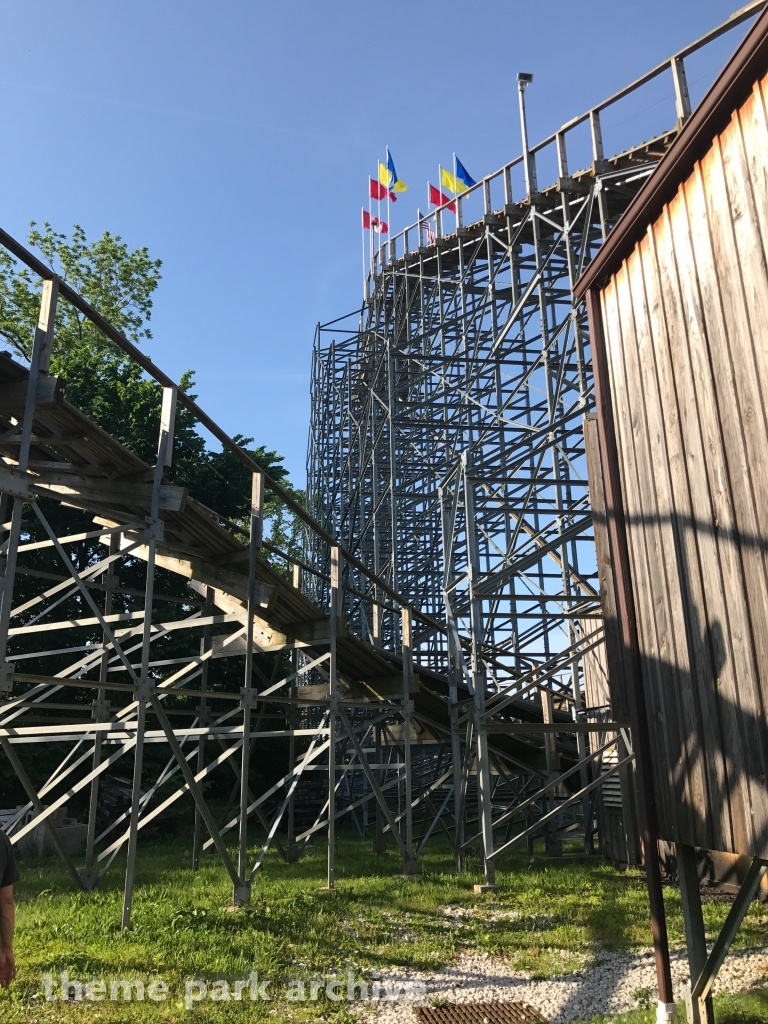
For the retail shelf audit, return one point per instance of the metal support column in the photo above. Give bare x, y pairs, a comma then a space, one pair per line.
335, 604
478, 679
553, 845
379, 839
700, 1012
410, 862
153, 532
203, 719
100, 714
242, 891
292, 850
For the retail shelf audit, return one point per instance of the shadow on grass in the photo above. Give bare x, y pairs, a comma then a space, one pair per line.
546, 919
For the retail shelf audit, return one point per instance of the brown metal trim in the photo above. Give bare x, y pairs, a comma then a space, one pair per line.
617, 534
731, 88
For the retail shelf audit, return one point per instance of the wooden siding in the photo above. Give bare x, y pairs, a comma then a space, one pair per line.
601, 687
685, 318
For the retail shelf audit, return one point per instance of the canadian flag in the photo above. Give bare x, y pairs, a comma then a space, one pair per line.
374, 224
378, 191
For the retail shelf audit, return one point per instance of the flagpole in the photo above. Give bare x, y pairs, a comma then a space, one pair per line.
456, 192
389, 208
370, 236
362, 229
378, 208
439, 211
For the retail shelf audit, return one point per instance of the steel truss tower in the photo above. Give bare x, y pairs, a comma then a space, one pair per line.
447, 436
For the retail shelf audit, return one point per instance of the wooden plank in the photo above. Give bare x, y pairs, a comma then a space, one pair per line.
663, 572
686, 460
101, 490
719, 574
391, 685
641, 531
619, 328
754, 123
616, 343
728, 627
735, 327
607, 662
14, 395
235, 584
747, 170
689, 494
662, 413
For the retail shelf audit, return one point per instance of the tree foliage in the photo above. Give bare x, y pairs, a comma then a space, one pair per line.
105, 384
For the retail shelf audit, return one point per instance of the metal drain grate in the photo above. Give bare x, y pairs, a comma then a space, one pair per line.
480, 1013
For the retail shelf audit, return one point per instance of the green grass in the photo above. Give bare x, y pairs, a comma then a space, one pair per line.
549, 917
744, 1008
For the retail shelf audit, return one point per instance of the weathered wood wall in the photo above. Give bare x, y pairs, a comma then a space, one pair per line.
686, 331
605, 693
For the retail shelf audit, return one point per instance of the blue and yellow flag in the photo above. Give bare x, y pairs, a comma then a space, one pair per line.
458, 182
462, 174
388, 176
447, 180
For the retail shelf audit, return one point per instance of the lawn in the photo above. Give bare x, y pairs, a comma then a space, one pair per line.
548, 918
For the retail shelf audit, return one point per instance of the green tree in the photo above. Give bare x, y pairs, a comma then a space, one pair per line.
108, 386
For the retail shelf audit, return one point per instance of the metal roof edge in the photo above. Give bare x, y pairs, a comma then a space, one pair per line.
730, 89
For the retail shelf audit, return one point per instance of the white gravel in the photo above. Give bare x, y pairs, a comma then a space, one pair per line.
617, 982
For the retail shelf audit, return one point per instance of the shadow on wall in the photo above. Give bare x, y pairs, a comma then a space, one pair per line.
701, 597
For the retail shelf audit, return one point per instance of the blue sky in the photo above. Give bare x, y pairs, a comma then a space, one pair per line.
234, 138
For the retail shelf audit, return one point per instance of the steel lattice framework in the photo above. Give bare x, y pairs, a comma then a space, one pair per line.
428, 654
471, 363
446, 444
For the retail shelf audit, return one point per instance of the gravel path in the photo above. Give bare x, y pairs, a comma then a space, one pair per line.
610, 986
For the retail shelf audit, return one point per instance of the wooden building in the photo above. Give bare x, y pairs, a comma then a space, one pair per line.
678, 301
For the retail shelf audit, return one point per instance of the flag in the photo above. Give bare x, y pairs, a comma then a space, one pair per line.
459, 182
395, 184
385, 178
388, 176
448, 181
373, 223
463, 175
377, 191
437, 198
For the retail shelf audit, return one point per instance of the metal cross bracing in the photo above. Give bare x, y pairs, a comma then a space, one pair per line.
446, 444
134, 616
